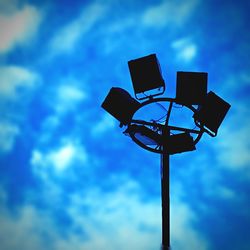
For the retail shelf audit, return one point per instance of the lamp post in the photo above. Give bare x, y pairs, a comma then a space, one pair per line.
165, 197
208, 110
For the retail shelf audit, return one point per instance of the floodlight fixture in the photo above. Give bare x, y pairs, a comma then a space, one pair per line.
146, 77
144, 134
191, 87
179, 143
158, 136
120, 104
212, 112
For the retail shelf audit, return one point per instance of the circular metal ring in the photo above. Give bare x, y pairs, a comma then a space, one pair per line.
159, 148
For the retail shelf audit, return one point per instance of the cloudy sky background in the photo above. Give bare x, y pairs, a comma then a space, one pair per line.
69, 179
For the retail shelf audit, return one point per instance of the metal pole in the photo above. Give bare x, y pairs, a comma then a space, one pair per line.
165, 194
165, 200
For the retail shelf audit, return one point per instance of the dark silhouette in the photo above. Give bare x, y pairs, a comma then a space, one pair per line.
117, 98
212, 112
191, 87
151, 78
161, 137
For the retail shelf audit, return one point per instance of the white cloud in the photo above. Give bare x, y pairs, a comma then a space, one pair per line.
185, 237
136, 224
66, 39
59, 159
68, 97
18, 27
97, 216
169, 13
121, 213
8, 6
63, 99
233, 144
106, 123
8, 133
70, 94
234, 148
235, 81
226, 193
185, 49
16, 85
15, 80
62, 158
28, 223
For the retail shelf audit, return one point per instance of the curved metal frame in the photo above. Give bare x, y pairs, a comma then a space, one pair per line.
159, 149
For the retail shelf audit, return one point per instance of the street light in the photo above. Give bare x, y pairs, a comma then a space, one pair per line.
212, 112
180, 143
146, 77
191, 87
162, 137
120, 104
144, 134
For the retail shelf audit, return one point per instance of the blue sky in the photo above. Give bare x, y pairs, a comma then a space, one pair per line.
69, 178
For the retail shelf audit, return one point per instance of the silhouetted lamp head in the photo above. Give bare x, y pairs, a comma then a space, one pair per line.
212, 112
146, 77
144, 134
191, 87
121, 105
180, 143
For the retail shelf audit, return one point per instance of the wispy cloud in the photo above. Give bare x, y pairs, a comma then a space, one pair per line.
27, 223
15, 81
234, 148
185, 49
106, 123
120, 214
96, 216
66, 39
169, 13
8, 133
68, 97
17, 84
18, 27
184, 236
60, 158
